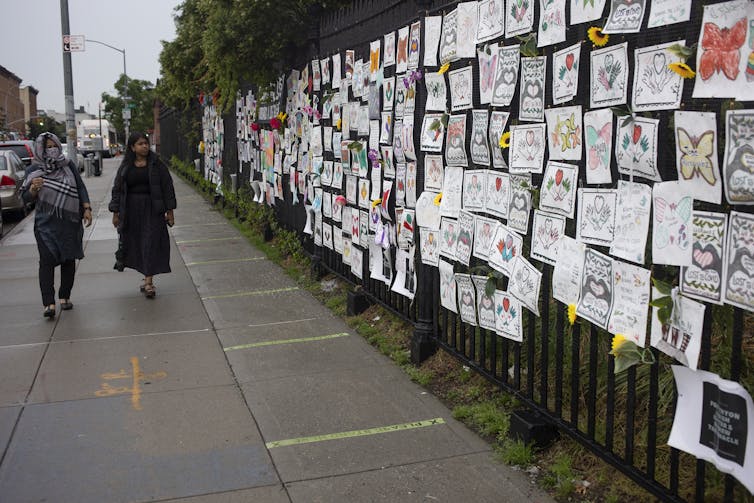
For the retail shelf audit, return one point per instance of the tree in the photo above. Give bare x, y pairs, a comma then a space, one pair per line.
141, 95
46, 124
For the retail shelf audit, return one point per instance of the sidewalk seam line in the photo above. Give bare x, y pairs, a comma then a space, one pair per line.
286, 341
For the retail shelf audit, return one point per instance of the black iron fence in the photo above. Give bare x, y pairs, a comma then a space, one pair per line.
563, 372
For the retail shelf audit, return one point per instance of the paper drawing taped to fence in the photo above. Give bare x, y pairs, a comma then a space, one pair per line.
466, 298
609, 76
498, 188
527, 150
723, 57
596, 296
447, 286
448, 237
583, 11
636, 148
738, 166
739, 261
506, 246
632, 221
524, 284
519, 204
671, 226
519, 17
703, 279
485, 307
630, 302
569, 267
465, 241
558, 191
665, 12
437, 94
461, 89
625, 16
491, 20
564, 140
565, 73
532, 94
508, 316
480, 151
596, 219
429, 246
656, 86
474, 190
484, 229
498, 121
552, 22
455, 143
546, 232
713, 418
598, 144
681, 336
696, 155
506, 75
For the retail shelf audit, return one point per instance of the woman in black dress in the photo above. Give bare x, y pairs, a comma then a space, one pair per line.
142, 203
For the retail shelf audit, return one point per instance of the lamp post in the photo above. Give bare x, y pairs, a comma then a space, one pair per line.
126, 110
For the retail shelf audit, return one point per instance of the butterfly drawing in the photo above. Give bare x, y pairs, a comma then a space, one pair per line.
721, 49
402, 49
598, 142
696, 157
674, 217
487, 72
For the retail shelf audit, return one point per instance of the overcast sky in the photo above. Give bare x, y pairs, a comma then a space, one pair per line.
31, 45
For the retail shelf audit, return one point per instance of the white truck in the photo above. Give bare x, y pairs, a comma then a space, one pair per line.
96, 136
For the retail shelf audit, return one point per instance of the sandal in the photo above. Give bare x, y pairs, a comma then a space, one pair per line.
149, 291
66, 305
49, 312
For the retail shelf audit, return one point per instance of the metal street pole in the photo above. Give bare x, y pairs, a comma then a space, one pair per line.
126, 110
70, 114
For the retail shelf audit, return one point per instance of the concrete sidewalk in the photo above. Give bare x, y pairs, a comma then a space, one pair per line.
233, 385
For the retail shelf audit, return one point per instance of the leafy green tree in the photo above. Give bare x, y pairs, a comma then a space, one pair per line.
44, 125
141, 96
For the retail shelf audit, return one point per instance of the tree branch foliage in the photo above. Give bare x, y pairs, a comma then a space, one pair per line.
221, 45
141, 95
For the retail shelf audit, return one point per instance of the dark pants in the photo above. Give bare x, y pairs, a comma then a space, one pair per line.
47, 265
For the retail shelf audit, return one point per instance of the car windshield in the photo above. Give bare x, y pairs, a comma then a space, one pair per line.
20, 150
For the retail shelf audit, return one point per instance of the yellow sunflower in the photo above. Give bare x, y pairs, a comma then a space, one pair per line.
443, 69
597, 37
438, 199
338, 124
682, 69
618, 341
376, 203
505, 140
571, 313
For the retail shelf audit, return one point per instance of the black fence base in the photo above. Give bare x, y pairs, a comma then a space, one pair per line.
268, 234
357, 303
531, 428
423, 345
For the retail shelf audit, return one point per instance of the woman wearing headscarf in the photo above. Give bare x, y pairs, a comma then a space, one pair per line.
142, 203
54, 185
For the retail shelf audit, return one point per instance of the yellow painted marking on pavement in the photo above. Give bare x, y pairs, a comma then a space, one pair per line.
195, 225
225, 261
136, 376
356, 433
136, 390
280, 322
255, 292
204, 240
286, 341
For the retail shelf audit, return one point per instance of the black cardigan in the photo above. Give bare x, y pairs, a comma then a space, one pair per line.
160, 188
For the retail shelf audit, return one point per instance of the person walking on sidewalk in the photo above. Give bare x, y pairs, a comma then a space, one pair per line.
62, 203
142, 203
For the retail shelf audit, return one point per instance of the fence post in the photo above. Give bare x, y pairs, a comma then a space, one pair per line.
423, 344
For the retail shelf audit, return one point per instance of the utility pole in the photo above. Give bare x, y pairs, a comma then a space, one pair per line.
70, 114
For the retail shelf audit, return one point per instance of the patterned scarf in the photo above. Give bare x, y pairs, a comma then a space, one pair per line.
59, 194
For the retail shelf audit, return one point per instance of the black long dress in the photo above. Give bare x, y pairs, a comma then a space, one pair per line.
145, 233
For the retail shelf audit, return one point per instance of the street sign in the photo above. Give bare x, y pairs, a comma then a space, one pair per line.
126, 113
73, 43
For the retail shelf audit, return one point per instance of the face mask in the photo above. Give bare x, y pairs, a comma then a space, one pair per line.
52, 152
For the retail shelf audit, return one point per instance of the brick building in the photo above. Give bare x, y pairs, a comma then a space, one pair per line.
29, 100
12, 116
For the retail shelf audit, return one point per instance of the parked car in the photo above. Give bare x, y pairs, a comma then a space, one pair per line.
12, 173
79, 160
24, 149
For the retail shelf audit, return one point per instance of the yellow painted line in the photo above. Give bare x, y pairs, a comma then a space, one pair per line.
224, 261
195, 225
356, 433
255, 292
286, 341
205, 240
136, 388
